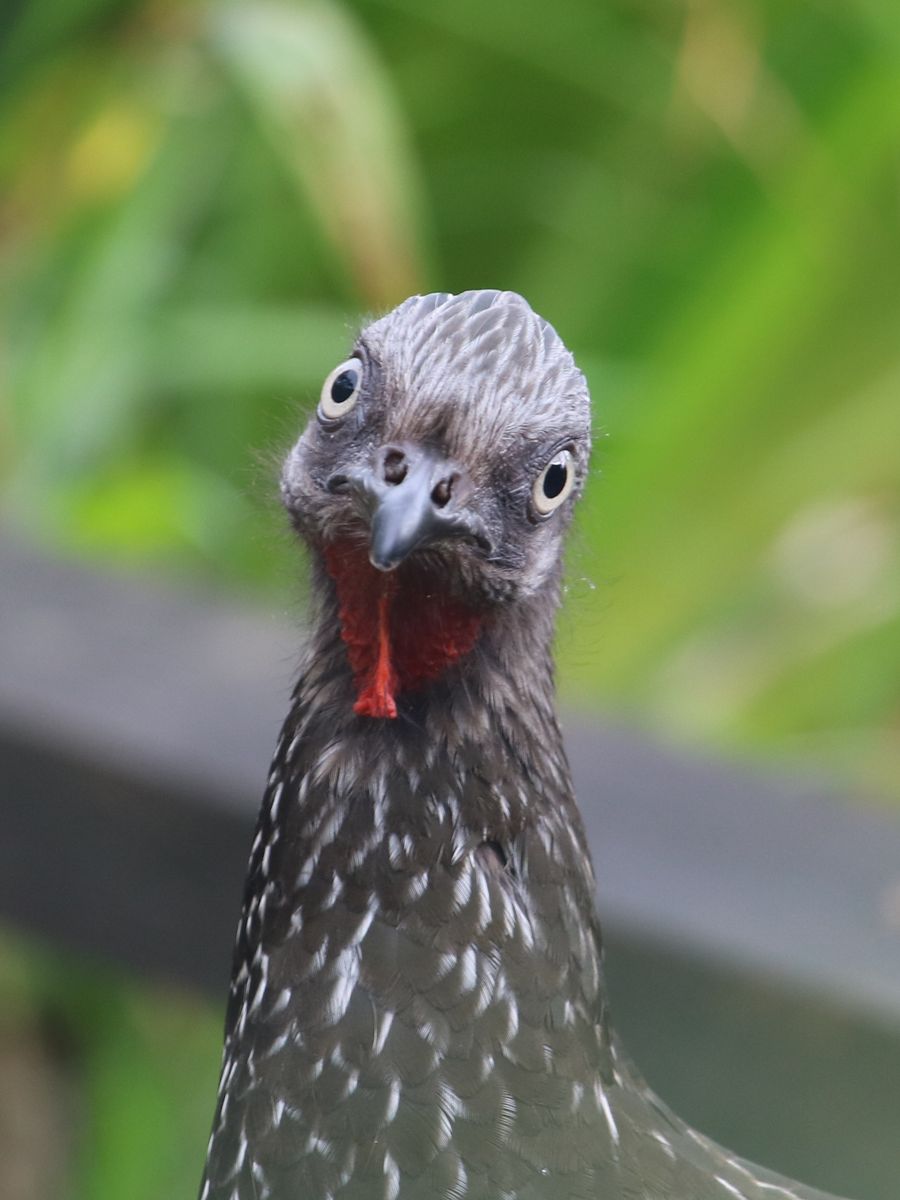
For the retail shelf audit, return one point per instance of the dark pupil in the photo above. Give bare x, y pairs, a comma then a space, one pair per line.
344, 386
555, 480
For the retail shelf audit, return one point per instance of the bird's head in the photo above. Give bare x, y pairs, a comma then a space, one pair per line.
439, 474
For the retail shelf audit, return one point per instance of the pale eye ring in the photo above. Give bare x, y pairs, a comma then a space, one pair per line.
340, 391
554, 484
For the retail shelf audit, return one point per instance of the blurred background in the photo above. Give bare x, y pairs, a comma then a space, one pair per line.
199, 202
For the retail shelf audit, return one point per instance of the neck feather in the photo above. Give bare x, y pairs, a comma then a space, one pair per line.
482, 695
418, 921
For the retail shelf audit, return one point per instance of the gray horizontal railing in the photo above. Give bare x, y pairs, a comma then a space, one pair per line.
753, 922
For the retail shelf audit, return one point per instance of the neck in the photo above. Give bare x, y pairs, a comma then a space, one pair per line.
472, 768
466, 686
418, 943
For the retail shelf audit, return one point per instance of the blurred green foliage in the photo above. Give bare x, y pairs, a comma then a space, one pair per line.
200, 200
136, 1068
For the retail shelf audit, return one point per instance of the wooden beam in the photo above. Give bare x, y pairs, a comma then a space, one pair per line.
751, 920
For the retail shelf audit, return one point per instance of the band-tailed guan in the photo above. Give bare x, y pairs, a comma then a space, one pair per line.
417, 1009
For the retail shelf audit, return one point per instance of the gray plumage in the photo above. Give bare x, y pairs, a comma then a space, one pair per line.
417, 1008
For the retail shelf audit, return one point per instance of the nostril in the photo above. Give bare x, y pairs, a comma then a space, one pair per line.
442, 491
395, 467
337, 483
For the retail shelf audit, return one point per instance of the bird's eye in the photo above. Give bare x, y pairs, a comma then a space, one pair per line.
554, 483
340, 391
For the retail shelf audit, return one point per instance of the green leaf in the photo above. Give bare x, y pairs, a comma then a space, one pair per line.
327, 109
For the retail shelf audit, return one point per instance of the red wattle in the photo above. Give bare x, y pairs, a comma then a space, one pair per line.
376, 698
400, 631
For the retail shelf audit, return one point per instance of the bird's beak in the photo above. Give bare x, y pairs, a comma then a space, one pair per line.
404, 518
414, 498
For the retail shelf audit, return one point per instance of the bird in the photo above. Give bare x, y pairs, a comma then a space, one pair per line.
417, 1007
